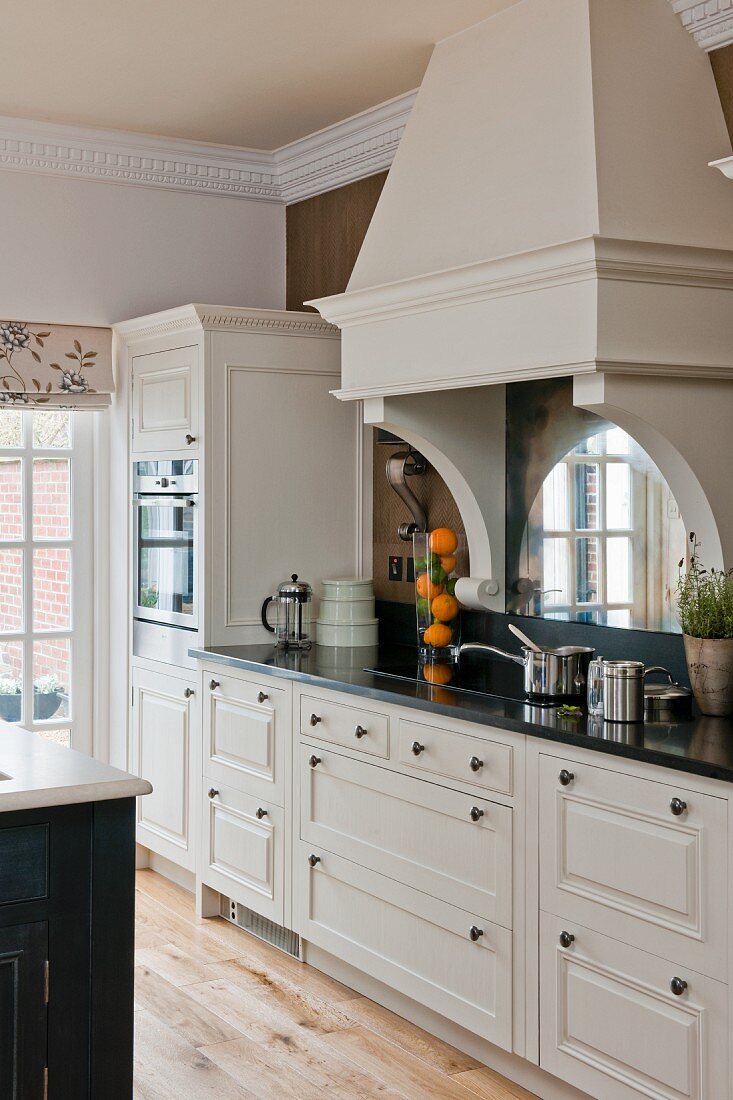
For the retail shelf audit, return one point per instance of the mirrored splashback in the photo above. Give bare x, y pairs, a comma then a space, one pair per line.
593, 532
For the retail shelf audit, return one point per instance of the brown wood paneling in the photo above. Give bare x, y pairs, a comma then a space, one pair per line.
323, 238
722, 63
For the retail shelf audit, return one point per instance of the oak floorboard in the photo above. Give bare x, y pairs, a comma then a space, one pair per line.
488, 1085
166, 1066
191, 1021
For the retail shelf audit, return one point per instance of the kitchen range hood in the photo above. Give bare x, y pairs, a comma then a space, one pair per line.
550, 212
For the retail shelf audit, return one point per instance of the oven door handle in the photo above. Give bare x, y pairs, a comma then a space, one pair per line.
165, 502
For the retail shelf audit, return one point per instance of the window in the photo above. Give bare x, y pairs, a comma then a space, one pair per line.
45, 571
600, 516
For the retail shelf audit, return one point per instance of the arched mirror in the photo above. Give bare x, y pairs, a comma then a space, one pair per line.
602, 533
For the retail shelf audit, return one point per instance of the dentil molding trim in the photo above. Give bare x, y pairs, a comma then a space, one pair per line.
710, 21
339, 154
226, 318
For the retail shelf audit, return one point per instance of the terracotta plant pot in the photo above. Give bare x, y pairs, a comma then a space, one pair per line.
710, 665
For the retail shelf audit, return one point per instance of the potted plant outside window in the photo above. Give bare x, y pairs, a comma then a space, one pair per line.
46, 697
705, 611
10, 700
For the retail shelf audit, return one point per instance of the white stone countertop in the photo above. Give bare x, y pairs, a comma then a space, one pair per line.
42, 773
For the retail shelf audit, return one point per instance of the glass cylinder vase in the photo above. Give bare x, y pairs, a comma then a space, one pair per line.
437, 556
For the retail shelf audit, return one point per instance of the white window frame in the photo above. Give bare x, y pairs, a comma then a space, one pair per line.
81, 547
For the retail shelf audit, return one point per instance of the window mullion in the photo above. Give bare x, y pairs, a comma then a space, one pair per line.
27, 571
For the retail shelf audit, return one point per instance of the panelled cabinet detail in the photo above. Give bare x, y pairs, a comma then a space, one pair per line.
165, 401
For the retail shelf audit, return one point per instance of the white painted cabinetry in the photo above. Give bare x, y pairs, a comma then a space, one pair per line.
165, 400
165, 723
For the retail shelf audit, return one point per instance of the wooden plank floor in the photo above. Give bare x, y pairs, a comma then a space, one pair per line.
220, 1014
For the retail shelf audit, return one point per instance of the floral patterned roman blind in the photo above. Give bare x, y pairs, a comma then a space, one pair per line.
63, 366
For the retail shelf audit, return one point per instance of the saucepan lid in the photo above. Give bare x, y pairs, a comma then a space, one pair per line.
667, 702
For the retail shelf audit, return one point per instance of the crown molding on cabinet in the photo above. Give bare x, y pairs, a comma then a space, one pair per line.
194, 318
709, 21
339, 154
725, 166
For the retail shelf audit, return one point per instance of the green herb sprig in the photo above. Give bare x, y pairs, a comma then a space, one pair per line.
704, 598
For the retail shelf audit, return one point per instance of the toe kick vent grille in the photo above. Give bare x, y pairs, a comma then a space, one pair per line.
264, 929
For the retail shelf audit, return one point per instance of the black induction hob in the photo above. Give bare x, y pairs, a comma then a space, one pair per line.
480, 674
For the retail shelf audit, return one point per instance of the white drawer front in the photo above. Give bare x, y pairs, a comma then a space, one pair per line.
415, 944
615, 857
411, 831
244, 735
339, 724
449, 755
243, 853
610, 1024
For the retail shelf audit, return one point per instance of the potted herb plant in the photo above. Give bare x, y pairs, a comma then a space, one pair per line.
705, 611
10, 700
46, 696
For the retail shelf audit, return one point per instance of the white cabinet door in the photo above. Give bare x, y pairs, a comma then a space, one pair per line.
452, 846
165, 400
243, 855
413, 943
164, 719
611, 1025
616, 857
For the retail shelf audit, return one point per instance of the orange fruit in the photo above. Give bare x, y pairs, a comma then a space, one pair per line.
444, 607
438, 635
443, 541
448, 561
426, 588
437, 674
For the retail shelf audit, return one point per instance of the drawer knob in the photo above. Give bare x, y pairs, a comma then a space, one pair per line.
360, 732
677, 806
315, 719
475, 764
566, 938
678, 986
566, 777
313, 859
213, 792
260, 813
476, 813
417, 748
475, 933
261, 697
190, 439
189, 692
214, 684
314, 760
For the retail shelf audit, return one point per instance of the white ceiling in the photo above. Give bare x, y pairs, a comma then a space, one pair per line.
252, 73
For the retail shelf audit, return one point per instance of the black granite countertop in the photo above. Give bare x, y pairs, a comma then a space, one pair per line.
703, 745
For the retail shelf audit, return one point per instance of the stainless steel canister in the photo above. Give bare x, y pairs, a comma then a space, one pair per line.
623, 691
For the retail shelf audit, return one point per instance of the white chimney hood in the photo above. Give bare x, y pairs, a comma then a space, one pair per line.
550, 210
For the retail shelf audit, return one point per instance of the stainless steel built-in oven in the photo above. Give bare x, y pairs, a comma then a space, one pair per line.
165, 494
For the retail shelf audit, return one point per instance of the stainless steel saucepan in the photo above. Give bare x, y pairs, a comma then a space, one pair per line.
557, 673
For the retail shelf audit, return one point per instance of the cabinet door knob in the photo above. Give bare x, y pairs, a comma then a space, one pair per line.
214, 684
190, 439
360, 732
475, 764
566, 777
315, 719
417, 748
189, 692
475, 933
261, 697
213, 792
678, 986
677, 806
314, 760
260, 813
476, 813
566, 938
313, 859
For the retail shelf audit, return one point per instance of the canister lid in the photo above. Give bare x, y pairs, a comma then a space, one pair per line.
624, 669
294, 589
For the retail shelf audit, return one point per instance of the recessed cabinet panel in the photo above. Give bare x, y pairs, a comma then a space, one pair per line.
242, 744
162, 744
611, 1025
352, 727
165, 400
416, 944
23, 1014
452, 846
614, 855
244, 846
470, 760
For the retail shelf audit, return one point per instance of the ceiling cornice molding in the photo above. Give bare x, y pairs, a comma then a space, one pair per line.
709, 21
339, 154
